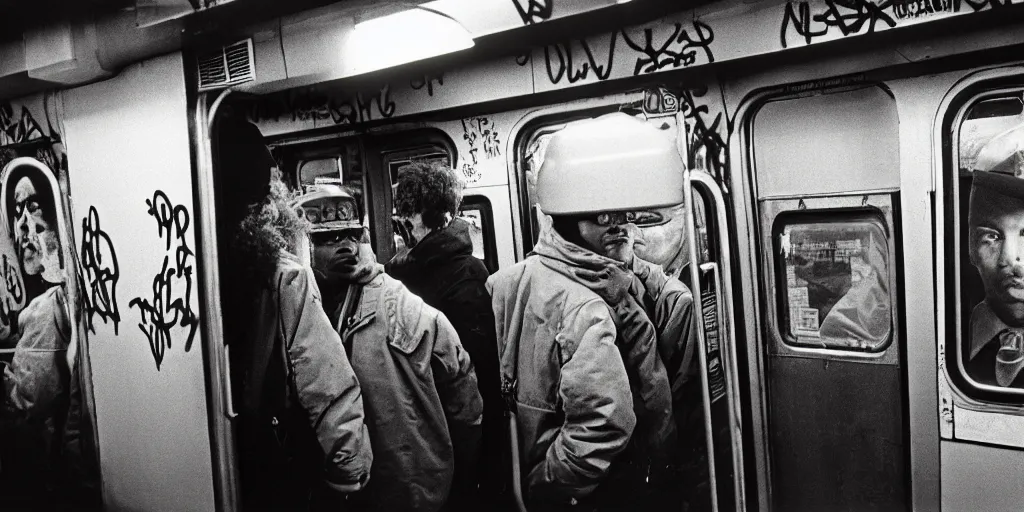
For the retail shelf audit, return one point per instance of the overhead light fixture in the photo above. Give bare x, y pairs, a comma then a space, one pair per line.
402, 37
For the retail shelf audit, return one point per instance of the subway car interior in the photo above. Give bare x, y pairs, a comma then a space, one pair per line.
845, 236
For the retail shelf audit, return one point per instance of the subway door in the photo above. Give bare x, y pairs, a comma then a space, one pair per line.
826, 181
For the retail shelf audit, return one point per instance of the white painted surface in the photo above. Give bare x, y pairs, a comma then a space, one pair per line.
979, 478
126, 138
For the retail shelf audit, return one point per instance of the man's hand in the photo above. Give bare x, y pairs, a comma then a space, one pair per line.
611, 282
625, 251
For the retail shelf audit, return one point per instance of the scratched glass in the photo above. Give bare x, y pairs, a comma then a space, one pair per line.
834, 285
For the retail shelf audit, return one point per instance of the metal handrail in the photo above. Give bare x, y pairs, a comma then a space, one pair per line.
727, 344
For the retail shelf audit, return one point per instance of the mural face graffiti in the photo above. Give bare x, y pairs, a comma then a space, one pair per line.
43, 409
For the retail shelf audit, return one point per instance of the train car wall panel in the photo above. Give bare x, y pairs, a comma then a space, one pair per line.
128, 142
977, 477
854, 148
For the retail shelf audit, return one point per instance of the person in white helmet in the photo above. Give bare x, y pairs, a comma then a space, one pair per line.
580, 367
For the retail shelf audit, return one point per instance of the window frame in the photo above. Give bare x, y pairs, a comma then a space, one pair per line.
949, 247
481, 202
881, 205
866, 216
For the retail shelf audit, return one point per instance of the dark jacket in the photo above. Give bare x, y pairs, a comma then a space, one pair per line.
442, 270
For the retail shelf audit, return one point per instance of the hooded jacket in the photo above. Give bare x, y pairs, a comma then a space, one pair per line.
329, 400
419, 390
558, 349
442, 270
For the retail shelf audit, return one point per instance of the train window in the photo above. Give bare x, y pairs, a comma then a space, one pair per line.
836, 275
320, 171
988, 217
476, 210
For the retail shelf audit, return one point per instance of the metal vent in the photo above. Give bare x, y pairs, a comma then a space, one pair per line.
226, 66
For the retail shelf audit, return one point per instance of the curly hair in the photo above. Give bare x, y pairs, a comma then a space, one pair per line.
430, 189
267, 227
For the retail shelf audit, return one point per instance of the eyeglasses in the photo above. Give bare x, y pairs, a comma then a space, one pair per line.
336, 237
640, 218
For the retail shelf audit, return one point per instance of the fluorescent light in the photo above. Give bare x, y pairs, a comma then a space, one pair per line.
402, 37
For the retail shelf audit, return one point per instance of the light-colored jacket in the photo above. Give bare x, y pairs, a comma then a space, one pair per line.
420, 394
557, 340
323, 378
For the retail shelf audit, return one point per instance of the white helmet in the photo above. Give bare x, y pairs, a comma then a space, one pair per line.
613, 162
328, 208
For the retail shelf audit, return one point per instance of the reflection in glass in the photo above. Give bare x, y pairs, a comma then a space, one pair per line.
836, 285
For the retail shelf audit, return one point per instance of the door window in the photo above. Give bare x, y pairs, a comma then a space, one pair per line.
836, 274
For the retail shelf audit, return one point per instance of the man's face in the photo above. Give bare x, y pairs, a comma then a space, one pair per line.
997, 247
415, 227
606, 235
34, 236
336, 251
664, 244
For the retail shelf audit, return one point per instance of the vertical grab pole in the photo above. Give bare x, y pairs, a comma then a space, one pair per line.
730, 364
691, 238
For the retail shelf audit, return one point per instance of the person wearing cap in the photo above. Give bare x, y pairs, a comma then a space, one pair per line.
576, 349
995, 353
422, 402
303, 441
438, 265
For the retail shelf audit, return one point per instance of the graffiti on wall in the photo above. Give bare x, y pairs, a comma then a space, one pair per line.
646, 49
304, 105
170, 305
100, 273
427, 81
484, 143
534, 11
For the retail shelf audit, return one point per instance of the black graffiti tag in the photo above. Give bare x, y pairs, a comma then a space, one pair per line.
479, 134
305, 106
849, 16
428, 82
680, 48
566, 65
101, 272
171, 302
705, 135
16, 129
535, 11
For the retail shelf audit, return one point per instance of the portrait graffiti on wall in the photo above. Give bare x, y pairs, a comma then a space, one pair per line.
42, 412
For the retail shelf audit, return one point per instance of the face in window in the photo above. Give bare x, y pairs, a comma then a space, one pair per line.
36, 241
997, 248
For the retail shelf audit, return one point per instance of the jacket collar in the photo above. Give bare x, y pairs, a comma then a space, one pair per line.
563, 256
443, 244
985, 325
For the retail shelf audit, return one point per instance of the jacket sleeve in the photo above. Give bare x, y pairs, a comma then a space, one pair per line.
644, 366
325, 383
37, 379
463, 406
454, 376
672, 313
596, 401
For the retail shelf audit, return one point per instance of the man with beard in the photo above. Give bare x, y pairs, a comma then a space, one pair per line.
423, 407
995, 355
37, 382
438, 265
577, 351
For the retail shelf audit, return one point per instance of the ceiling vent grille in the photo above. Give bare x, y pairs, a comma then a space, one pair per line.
229, 65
